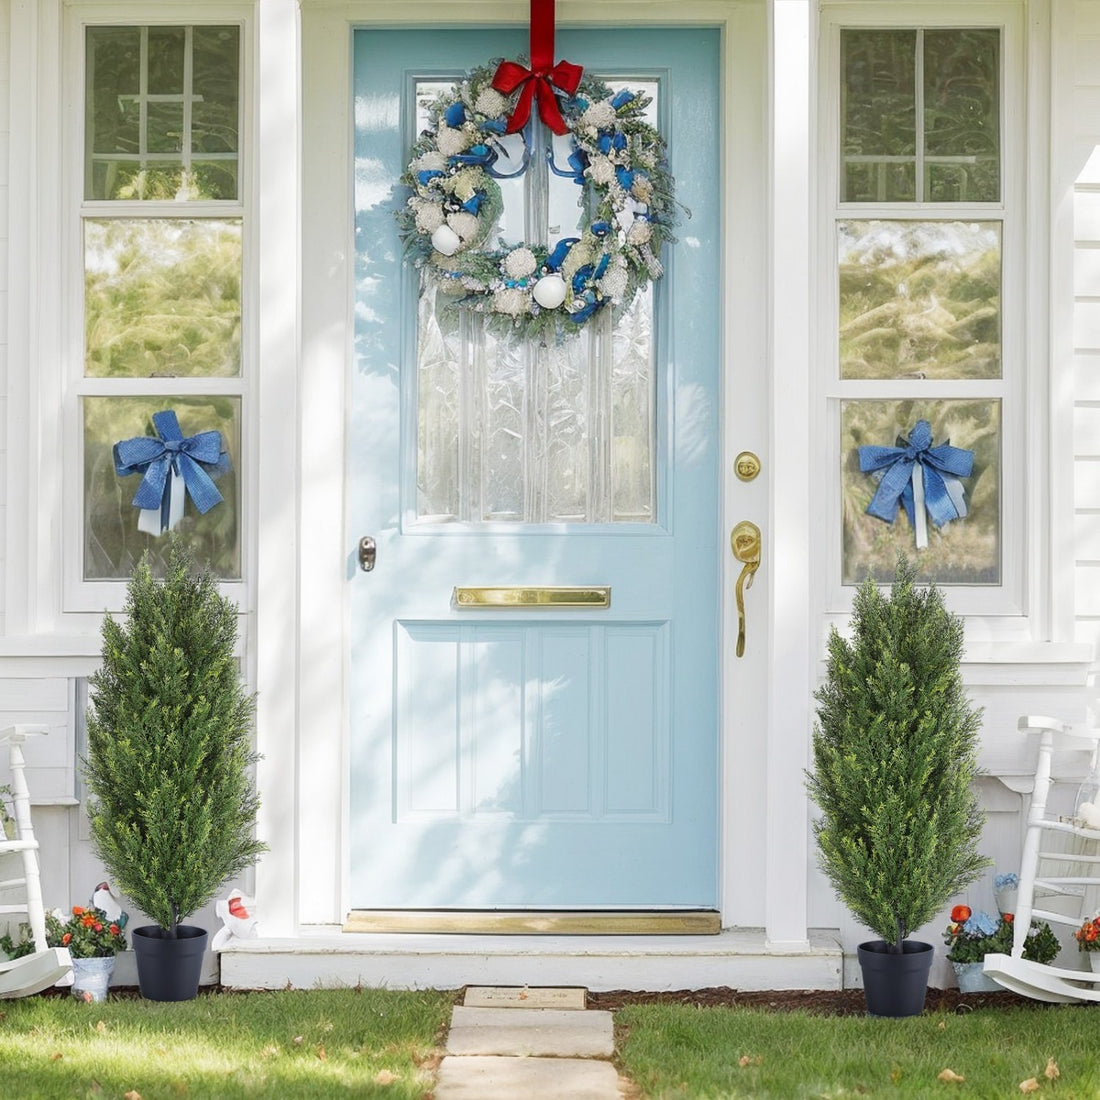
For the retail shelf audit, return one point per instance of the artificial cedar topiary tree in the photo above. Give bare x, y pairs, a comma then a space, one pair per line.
895, 754
169, 760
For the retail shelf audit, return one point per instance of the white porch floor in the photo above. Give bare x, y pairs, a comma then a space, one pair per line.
738, 958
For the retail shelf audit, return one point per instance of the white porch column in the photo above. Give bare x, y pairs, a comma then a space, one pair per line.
274, 386
790, 709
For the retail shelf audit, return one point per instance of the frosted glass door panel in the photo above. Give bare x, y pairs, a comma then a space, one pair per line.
536, 434
525, 433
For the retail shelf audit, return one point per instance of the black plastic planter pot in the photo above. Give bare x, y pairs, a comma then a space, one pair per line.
895, 985
169, 969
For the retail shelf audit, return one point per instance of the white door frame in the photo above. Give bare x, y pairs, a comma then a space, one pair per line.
302, 658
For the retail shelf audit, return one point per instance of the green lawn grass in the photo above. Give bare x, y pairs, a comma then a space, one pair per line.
295, 1043
677, 1052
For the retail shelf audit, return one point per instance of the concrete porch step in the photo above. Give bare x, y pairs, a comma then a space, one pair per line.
738, 958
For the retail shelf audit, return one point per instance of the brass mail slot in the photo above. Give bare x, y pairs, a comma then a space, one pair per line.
489, 598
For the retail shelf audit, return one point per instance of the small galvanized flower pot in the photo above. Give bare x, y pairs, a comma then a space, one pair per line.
91, 978
972, 978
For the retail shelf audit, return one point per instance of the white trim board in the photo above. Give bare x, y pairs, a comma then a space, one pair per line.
329, 549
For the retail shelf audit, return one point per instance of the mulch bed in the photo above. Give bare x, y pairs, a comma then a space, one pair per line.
823, 1002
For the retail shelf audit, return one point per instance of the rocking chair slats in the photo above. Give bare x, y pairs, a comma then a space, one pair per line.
1067, 877
31, 973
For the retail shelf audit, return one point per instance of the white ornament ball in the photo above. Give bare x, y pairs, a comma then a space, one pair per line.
446, 241
549, 291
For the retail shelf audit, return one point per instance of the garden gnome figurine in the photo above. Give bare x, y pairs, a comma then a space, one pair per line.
108, 900
238, 916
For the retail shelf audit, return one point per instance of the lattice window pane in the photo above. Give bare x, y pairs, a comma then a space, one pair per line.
112, 542
162, 113
162, 297
919, 299
920, 115
964, 551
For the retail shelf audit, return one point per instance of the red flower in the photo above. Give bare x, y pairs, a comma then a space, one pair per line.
99, 927
960, 914
88, 920
1009, 917
1090, 933
78, 910
114, 929
66, 938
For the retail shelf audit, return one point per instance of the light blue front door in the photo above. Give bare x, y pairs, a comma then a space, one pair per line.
510, 759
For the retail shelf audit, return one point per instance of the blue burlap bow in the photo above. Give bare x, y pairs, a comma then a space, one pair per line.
919, 476
170, 456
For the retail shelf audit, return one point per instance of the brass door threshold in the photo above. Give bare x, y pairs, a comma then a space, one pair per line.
598, 922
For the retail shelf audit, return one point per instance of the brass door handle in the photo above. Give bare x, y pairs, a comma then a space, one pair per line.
745, 543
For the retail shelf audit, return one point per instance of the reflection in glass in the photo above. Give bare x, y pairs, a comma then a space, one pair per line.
528, 433
162, 298
167, 47
112, 542
964, 551
155, 96
878, 117
919, 299
950, 150
962, 115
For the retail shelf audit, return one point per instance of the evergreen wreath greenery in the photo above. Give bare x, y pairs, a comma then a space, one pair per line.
169, 761
625, 197
895, 754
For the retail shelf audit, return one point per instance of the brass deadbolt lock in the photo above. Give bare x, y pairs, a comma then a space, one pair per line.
746, 466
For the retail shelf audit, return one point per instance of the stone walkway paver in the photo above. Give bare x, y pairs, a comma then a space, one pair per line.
550, 1032
528, 1053
491, 1078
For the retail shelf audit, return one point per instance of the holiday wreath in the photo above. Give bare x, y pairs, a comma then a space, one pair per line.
625, 197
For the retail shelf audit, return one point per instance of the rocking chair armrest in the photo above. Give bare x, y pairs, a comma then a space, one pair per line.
1040, 723
1062, 735
17, 735
9, 846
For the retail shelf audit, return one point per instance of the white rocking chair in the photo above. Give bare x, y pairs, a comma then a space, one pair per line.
31, 973
1060, 870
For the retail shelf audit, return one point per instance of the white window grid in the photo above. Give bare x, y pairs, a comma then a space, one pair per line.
1007, 601
80, 595
186, 98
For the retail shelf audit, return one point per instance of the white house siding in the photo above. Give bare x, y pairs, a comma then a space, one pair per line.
30, 691
1085, 151
37, 684
29, 698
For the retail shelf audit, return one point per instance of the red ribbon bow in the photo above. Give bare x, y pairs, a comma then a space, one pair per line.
542, 77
